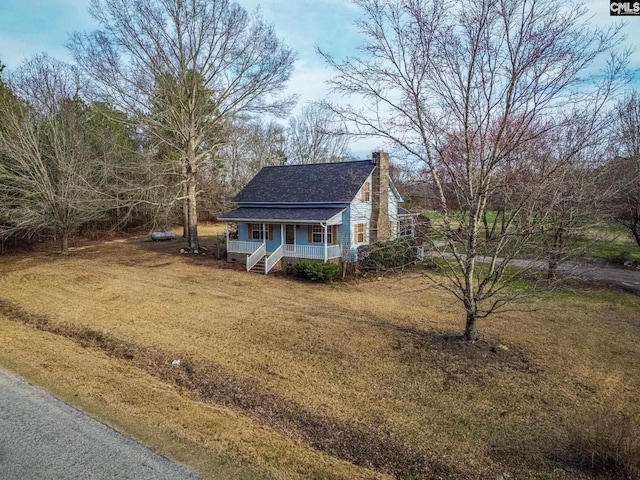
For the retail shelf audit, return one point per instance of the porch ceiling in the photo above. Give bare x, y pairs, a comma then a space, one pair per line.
298, 215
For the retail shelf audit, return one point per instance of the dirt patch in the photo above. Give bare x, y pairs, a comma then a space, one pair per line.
451, 349
377, 449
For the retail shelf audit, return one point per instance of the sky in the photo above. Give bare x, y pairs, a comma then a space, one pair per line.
29, 27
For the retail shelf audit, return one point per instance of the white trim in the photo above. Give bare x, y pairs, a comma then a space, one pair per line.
324, 226
242, 246
336, 219
312, 251
256, 256
273, 259
395, 191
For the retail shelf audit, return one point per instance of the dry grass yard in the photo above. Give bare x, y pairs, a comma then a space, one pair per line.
290, 380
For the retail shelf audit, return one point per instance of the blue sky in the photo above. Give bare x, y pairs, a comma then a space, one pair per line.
28, 27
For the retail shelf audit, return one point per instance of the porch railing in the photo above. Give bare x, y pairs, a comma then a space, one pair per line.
312, 251
256, 256
272, 259
240, 246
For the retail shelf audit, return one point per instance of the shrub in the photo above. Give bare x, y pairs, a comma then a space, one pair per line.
315, 271
623, 259
610, 441
392, 255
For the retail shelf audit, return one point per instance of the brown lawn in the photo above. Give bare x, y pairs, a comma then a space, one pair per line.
285, 379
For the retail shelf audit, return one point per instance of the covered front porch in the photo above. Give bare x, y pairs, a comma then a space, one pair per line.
265, 236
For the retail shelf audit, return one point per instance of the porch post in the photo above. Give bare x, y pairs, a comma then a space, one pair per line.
226, 232
325, 241
264, 234
282, 240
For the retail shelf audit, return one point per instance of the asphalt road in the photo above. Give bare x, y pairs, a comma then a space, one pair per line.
586, 269
42, 438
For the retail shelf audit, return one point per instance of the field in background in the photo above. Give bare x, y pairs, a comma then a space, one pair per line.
284, 379
607, 241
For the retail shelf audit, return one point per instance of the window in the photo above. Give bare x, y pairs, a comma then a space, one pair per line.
361, 232
366, 192
317, 234
256, 231
405, 227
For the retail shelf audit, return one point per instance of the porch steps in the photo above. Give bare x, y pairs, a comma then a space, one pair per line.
259, 267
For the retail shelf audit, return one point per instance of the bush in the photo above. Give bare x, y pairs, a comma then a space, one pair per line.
610, 441
623, 259
314, 271
393, 255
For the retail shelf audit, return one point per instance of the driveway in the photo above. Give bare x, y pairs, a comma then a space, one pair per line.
42, 438
586, 269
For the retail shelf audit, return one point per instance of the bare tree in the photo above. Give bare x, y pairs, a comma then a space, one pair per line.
51, 176
208, 60
623, 172
465, 89
251, 145
314, 136
44, 82
571, 204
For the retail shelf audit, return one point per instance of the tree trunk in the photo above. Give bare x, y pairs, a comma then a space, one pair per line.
553, 259
185, 215
185, 203
551, 271
635, 229
554, 255
471, 328
64, 243
192, 227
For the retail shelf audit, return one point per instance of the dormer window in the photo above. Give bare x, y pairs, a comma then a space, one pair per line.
366, 192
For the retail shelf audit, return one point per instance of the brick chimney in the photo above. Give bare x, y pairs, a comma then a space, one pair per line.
380, 228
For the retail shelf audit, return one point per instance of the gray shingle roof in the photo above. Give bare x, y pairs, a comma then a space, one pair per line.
317, 183
291, 215
404, 211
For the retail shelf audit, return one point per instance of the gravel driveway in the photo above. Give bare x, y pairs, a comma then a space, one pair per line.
42, 438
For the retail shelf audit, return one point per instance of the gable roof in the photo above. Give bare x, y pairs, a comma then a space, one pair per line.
315, 183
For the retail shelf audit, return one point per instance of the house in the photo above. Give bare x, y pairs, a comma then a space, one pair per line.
321, 212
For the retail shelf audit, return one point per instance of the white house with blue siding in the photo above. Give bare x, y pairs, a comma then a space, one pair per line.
319, 212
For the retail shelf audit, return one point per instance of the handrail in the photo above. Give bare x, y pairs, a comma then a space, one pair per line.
312, 251
256, 256
242, 246
272, 259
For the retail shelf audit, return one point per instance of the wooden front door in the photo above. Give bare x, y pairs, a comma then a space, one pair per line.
290, 234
